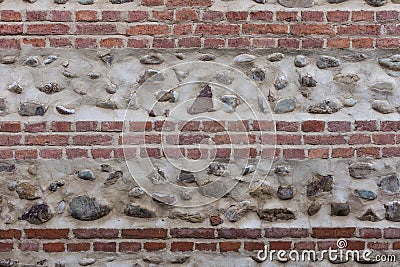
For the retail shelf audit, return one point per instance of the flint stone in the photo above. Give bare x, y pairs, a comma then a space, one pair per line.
55, 185
216, 220
336, 1
136, 192
390, 184
382, 87
261, 190
285, 193
307, 81
365, 194
120, 1
392, 211
65, 111
193, 217
235, 212
150, 75
26, 191
281, 82
203, 102
279, 214
248, 169
15, 88
167, 96
275, 57
392, 63
111, 89
230, 103
258, 74
86, 261
164, 199
186, 177
340, 209
285, 105
300, 61
5, 167
376, 3
281, 170
37, 214
85, 208
244, 58
106, 104
113, 178
86, 175
60, 2
320, 184
207, 57
313, 208
224, 78
139, 212
31, 61
216, 169
8, 60
325, 62
328, 106
106, 58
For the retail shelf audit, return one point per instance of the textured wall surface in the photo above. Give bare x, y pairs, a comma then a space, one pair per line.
193, 133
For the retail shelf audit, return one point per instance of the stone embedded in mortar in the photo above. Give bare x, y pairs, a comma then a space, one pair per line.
193, 217
307, 80
327, 106
336, 1
150, 75
3, 106
113, 178
157, 177
376, 3
349, 102
248, 169
285, 105
94, 75
262, 103
186, 177
258, 74
314, 208
382, 87
216, 169
69, 74
8, 60
55, 185
180, 56
300, 61
392, 211
86, 261
106, 168
60, 1
281, 82
85, 208
320, 184
153, 259
296, 3
178, 259
111, 88
8, 262
346, 78
216, 220
207, 57
370, 216
37, 214
383, 106
138, 211
231, 102
390, 184
203, 102
215, 189
12, 185
277, 214
65, 111
275, 57
151, 59
15, 88
164, 198
224, 78
50, 88
107, 58
120, 1
167, 96
281, 170
186, 195
235, 212
392, 65
360, 170
181, 75
285, 192
136, 192
261, 190
244, 59
106, 104
6, 167
31, 61
365, 194
61, 206
86, 175
260, 1
59, 263
65, 64
340, 209
33, 169
325, 62
27, 191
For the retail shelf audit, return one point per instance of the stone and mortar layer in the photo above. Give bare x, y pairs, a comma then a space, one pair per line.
304, 102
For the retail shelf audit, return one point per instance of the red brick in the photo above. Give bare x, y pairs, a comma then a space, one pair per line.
152, 2
154, 246
243, 153
355, 245
359, 139
293, 154
206, 246
129, 247
217, 29
320, 232
280, 245
136, 16
251, 28
163, 43
96, 29
164, 15
73, 153
6, 247
103, 153
10, 140
10, 15
86, 15
28, 246
36, 15
261, 15
85, 43
47, 233
312, 29
111, 15
47, 29
338, 43
187, 15
10, 126
182, 246
312, 43
61, 126
89, 140
324, 139
281, 139
312, 16
383, 139
85, 126
324, 245
258, 125
239, 43
339, 126
10, 234
384, 16
250, 246
147, 233
388, 126
362, 42
6, 154
318, 153
138, 43
213, 126
370, 233
304, 245
35, 127
365, 126
128, 153
78, 247
50, 153
184, 29
378, 245
222, 152
313, 126
192, 232
286, 16
236, 15
358, 16
388, 152
191, 3
343, 152
263, 42
60, 42
214, 43
53, 247
51, 140
396, 245
388, 43
289, 43
229, 246
286, 232
286, 126
8, 29
359, 30
112, 43
392, 29
233, 233
26, 154
213, 16
61, 16
368, 152
105, 246
337, 16
148, 29
7, 43
93, 233
391, 233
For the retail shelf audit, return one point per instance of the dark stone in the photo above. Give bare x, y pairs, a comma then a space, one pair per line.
275, 214
113, 178
55, 185
336, 1
4, 167
120, 1
167, 96
390, 184
8, 263
376, 3
285, 193
392, 211
152, 59
164, 199
31, 109
203, 102
296, 3
360, 170
207, 57
37, 214
106, 168
86, 175
340, 209
365, 194
370, 216
215, 189
65, 111
216, 169
313, 208
139, 212
50, 88
186, 177
281, 170
258, 74
216, 220
325, 107
325, 62
320, 184
3, 107
85, 208
107, 58
307, 80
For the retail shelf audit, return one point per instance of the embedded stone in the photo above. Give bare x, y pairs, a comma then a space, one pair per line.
307, 80
281, 82
60, 1
65, 111
111, 88
180, 56
260, 1
15, 88
8, 60
3, 106
216, 189
50, 88
224, 78
285, 105
85, 208
120, 1
300, 61
27, 191
186, 195
167, 96
86, 175
392, 211
382, 87
33, 169
93, 75
349, 102
336, 1
59, 263
296, 3
248, 169
61, 207
244, 58
86, 261
207, 57
313, 208
37, 214
151, 59
69, 74
392, 63
383, 106
262, 103
12, 185
181, 75
278, 214
107, 58
281, 170
231, 102
216, 220
258, 74
370, 216
150, 75
152, 259
390, 184
8, 262
216, 169
320, 184
340, 209
235, 212
328, 106
360, 170
261, 190
365, 194
139, 212
164, 199
106, 104
275, 57
186, 177
178, 259
325, 62
376, 3
136, 192
346, 78
106, 168
285, 192
203, 102
113, 178
31, 61
193, 217
55, 185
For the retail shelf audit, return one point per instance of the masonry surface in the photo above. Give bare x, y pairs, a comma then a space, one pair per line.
193, 133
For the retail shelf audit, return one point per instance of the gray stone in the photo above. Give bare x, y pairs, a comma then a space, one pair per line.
244, 59
5, 167
59, 263
392, 211
300, 61
106, 168
370, 216
390, 183
349, 102
12, 185
325, 62
178, 259
216, 169
113, 178
261, 190
336, 1
313, 208
285, 192
8, 60
296, 3
86, 175
152, 259
139, 212
392, 63
8, 263
231, 102
50, 88
150, 75
248, 169
60, 1
69, 74
365, 194
136, 192
281, 170
260, 1
111, 88
383, 106
262, 103
31, 61
152, 59
382, 87
320, 184
360, 170
235, 212
180, 56
346, 78
27, 191
55, 185
37, 214
224, 78
86, 261
167, 96
33, 169
207, 57
258, 74
107, 58
307, 80
186, 177
193, 217
164, 198
203, 102
215, 189
281, 82
3, 106
65, 111
278, 214
285, 105
186, 195
328, 106
376, 2
85, 208
61, 207
181, 75
106, 104
275, 57
15, 88
93, 75
340, 209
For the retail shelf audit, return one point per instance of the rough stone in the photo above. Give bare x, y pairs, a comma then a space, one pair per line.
50, 88
186, 177
285, 192
224, 78
55, 185
207, 57
31, 61
300, 61
186, 195
392, 63
15, 88
113, 178
86, 261
275, 57
86, 175
32, 109
349, 102
376, 2
193, 217
139, 212
106, 104
244, 58
150, 75
106, 168
94, 75
12, 185
340, 209
167, 96
111, 88
178, 259
235, 212
8, 60
285, 105
278, 214
203, 102
8, 263
216, 220
65, 111
216, 169
85, 208
296, 3
346, 78
325, 62
258, 74
336, 1
61, 206
69, 74
120, 1
392, 211
370, 216
281, 82
152, 59
382, 87
136, 192
248, 169
216, 189
60, 1
314, 208
365, 194
383, 106
181, 75
320, 184
281, 170
307, 80
328, 106
164, 198
360, 170
107, 58
231, 102
390, 184
261, 190
27, 191
37, 214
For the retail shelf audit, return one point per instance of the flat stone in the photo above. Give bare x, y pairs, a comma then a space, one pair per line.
231, 102
207, 57
260, 1
313, 208
113, 178
281, 82
106, 104
320, 184
365, 194
85, 208
376, 3
235, 212
86, 175
136, 192
370, 216
346, 78
216, 169
69, 74
133, 210
60, 1
216, 220
300, 61
285, 192
278, 214
327, 106
61, 206
262, 103
186, 195
164, 198
203, 102
151, 59
360, 170
150, 75
93, 75
8, 60
86, 261
307, 80
340, 209
186, 177
15, 88
37, 214
167, 96
391, 63
383, 106
244, 59
392, 211
50, 88
275, 57
285, 105
382, 87
296, 3
325, 62
65, 111
390, 184
216, 189
27, 191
